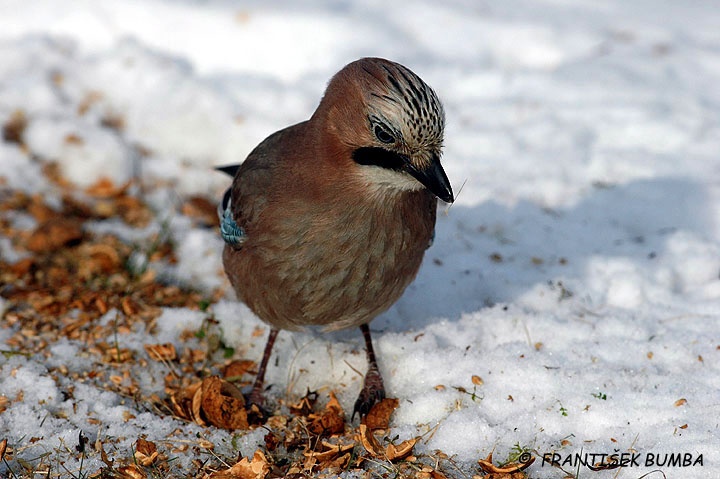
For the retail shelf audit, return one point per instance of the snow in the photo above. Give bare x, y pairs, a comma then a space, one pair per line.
578, 272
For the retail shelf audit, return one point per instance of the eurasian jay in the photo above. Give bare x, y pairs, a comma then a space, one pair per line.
327, 221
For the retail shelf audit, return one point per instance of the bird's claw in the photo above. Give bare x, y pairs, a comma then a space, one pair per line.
255, 407
373, 391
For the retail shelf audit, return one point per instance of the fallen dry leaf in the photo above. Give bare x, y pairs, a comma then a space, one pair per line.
305, 405
116, 122
103, 455
131, 472
133, 211
103, 258
145, 452
118, 355
40, 210
257, 468
74, 139
105, 188
14, 128
392, 452
379, 415
505, 475
236, 369
196, 406
329, 451
369, 442
53, 234
90, 99
161, 352
22, 267
201, 210
508, 471
330, 421
186, 402
329, 456
401, 451
205, 444
223, 404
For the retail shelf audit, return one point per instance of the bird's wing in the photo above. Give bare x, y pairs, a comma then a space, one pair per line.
230, 231
252, 183
245, 199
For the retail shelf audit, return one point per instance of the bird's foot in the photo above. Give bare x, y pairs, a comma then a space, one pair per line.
255, 406
373, 391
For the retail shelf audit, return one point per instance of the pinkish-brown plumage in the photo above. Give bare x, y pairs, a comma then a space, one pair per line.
335, 213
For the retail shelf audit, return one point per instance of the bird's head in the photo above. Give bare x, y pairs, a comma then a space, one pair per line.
392, 122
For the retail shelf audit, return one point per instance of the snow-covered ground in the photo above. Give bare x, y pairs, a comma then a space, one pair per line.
577, 274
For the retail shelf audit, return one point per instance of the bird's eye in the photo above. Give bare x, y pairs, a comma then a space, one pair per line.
383, 135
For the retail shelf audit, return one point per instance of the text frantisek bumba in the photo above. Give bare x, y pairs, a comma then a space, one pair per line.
600, 461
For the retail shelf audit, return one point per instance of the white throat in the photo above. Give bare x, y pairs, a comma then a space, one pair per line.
382, 179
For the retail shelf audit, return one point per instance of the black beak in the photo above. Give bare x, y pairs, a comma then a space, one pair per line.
433, 177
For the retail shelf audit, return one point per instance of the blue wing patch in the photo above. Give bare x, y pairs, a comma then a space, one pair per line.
230, 231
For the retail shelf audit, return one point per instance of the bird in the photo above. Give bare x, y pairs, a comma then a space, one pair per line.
326, 222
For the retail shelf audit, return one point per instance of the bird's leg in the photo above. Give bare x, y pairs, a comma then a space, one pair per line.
257, 396
373, 389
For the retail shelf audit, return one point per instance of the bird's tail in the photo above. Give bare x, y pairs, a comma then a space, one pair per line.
229, 170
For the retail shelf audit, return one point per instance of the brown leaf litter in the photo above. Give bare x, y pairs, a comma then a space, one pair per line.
68, 278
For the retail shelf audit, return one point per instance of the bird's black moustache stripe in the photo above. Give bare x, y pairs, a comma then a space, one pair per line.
381, 157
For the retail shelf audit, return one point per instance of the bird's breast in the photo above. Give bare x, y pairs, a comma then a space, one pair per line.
335, 265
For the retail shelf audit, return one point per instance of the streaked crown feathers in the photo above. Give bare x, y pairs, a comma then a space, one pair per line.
406, 105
